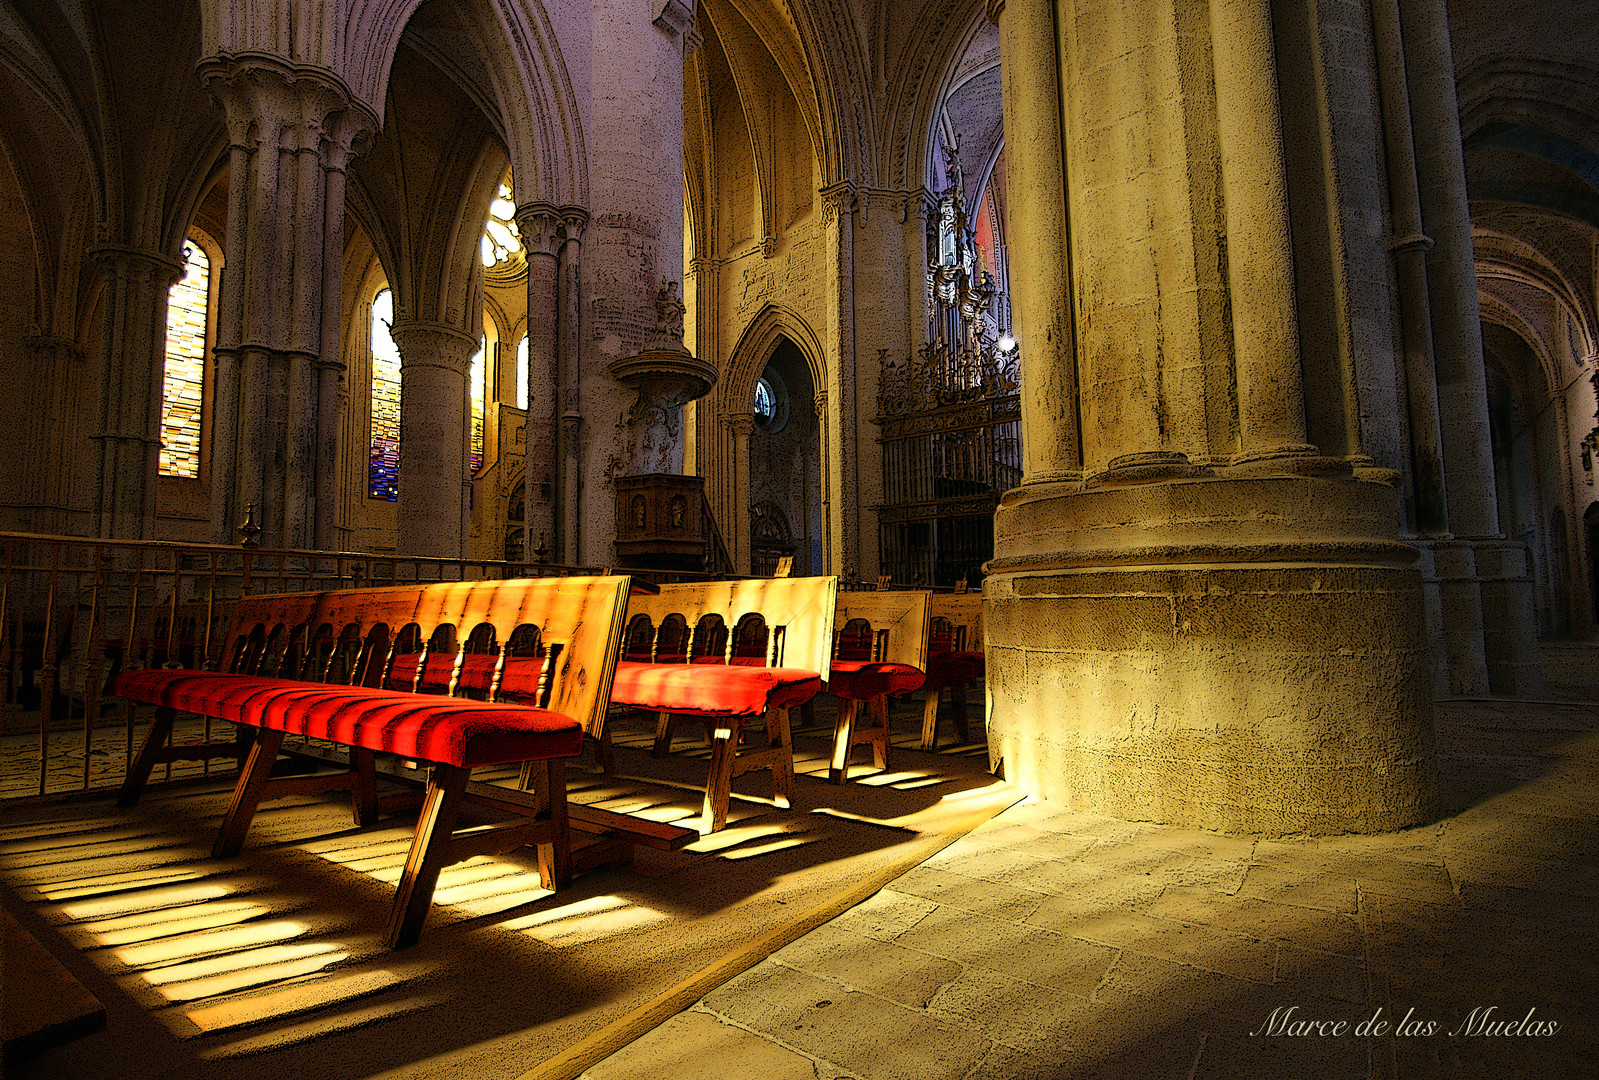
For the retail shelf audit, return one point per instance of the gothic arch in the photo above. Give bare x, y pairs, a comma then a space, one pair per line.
755, 345
512, 40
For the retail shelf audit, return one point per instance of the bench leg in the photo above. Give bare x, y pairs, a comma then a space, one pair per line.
555, 857
154, 741
930, 719
364, 795
778, 735
878, 736
719, 787
604, 754
958, 692
663, 735
843, 739
430, 853
247, 794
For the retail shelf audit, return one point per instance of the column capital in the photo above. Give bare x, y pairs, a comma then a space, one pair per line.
424, 344
740, 423
125, 262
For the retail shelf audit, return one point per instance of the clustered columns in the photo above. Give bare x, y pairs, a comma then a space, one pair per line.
434, 363
128, 429
1193, 616
551, 236
1479, 585
292, 131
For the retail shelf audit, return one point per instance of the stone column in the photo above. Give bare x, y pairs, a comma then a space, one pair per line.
434, 437
1040, 266
542, 234
1481, 574
568, 285
1216, 626
1260, 262
839, 206
740, 426
292, 131
830, 565
133, 359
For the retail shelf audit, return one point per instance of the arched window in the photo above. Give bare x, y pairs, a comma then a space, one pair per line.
383, 473
183, 377
521, 373
475, 375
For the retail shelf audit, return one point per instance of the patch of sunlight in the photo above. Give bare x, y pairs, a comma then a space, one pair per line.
586, 920
145, 925
307, 963
323, 1026
930, 781
862, 819
209, 942
316, 993
77, 839
56, 828
123, 904
111, 883
743, 834
883, 779
366, 842
767, 849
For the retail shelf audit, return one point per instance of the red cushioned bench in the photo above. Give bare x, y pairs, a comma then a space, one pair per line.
881, 652
724, 654
954, 659
319, 665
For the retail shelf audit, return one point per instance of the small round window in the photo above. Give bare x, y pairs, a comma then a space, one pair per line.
765, 403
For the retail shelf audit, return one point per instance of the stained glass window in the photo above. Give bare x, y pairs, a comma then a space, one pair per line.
183, 379
765, 403
383, 473
475, 376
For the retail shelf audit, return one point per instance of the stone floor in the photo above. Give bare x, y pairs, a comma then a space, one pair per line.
1050, 944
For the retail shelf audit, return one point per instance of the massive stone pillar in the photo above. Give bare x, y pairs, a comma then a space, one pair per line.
1216, 625
292, 130
632, 247
434, 437
133, 357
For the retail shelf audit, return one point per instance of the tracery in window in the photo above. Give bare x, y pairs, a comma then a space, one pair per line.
183, 378
502, 240
383, 472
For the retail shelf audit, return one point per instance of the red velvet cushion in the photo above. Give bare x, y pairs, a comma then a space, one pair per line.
712, 690
454, 731
861, 680
148, 685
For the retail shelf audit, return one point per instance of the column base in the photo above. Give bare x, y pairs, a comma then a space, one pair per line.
1240, 655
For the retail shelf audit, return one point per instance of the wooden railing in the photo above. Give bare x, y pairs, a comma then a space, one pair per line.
76, 610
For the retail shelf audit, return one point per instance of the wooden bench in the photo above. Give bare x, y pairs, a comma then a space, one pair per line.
725, 653
954, 659
320, 665
881, 651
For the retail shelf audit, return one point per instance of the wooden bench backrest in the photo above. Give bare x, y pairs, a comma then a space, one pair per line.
963, 614
798, 613
898, 621
578, 619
